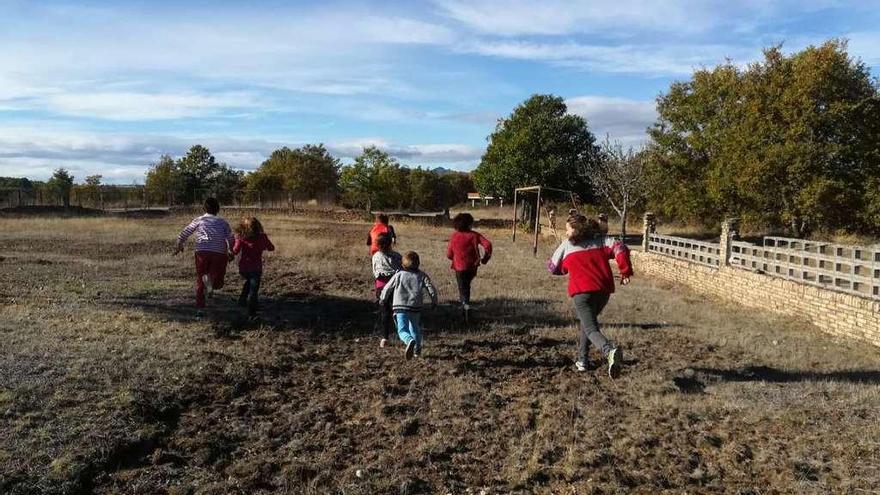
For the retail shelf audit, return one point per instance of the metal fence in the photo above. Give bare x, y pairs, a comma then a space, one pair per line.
845, 268
704, 253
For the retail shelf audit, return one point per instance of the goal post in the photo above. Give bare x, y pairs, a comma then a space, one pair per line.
518, 195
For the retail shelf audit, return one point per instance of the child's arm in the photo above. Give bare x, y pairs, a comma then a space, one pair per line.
449, 253
554, 265
236, 246
620, 252
185, 233
393, 235
487, 248
388, 289
269, 245
369, 240
426, 281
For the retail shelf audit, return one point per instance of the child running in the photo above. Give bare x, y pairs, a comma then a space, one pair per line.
380, 227
386, 262
213, 243
464, 251
250, 241
584, 257
406, 291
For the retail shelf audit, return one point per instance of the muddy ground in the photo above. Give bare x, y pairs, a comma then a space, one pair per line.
109, 384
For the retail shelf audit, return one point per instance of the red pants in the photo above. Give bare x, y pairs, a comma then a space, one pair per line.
214, 266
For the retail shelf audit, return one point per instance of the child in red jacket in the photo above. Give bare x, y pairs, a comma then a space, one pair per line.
250, 241
584, 257
464, 251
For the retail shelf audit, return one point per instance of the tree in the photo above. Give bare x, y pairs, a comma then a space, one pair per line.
539, 144
619, 177
789, 141
374, 180
163, 183
195, 171
60, 185
92, 188
307, 172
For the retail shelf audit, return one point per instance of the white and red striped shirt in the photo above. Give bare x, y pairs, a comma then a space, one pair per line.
212, 234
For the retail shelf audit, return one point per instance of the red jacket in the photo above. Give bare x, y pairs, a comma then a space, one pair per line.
252, 252
373, 237
464, 250
587, 265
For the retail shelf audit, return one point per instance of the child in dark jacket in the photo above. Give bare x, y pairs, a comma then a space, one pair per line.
250, 241
584, 257
405, 290
464, 251
386, 262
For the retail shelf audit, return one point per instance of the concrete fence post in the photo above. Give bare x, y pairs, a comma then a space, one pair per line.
648, 228
729, 232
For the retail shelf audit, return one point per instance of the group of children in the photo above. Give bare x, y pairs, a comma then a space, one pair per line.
400, 285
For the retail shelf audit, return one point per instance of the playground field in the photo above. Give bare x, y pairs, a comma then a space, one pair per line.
109, 384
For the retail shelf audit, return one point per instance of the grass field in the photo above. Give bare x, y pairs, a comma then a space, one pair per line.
108, 384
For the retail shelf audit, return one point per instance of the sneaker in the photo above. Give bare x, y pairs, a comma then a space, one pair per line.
615, 358
466, 312
209, 289
418, 352
200, 314
383, 342
410, 349
580, 366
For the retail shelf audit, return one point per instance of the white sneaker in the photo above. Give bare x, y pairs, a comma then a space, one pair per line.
209, 289
580, 366
383, 342
615, 358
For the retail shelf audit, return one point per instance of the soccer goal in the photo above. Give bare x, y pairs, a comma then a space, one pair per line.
540, 207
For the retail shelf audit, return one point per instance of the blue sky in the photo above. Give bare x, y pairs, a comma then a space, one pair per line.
104, 87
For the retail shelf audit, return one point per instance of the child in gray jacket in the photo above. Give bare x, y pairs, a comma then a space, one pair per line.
406, 290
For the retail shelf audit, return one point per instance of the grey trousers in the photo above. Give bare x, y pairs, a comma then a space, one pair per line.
588, 305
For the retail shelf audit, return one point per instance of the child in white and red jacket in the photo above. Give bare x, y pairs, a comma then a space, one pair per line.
584, 257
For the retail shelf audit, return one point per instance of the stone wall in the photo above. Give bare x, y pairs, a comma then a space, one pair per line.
833, 312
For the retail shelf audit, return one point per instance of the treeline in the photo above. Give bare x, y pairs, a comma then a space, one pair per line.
791, 141
374, 181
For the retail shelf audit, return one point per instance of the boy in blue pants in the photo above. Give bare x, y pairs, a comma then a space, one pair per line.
406, 290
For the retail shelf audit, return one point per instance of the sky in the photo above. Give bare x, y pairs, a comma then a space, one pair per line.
101, 87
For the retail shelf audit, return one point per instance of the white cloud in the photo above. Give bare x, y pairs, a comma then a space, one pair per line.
619, 18
623, 119
633, 59
147, 106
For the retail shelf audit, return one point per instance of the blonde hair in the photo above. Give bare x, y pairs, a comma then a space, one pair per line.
249, 228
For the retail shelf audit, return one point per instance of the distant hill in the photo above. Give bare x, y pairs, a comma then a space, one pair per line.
444, 171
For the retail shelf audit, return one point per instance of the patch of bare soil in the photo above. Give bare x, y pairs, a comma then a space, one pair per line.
108, 384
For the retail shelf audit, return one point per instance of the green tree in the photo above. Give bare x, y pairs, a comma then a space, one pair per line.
539, 144
789, 141
195, 171
163, 183
374, 180
60, 185
306, 172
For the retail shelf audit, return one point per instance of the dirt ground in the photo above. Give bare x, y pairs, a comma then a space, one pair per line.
109, 384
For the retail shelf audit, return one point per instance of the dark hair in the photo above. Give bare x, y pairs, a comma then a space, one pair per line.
249, 228
382, 218
411, 261
463, 222
584, 228
384, 241
212, 206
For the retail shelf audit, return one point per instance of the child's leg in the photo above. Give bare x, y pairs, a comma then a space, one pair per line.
254, 279
201, 269
403, 327
415, 328
245, 290
217, 269
588, 306
463, 279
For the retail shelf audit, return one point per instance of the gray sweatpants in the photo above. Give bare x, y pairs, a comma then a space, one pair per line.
588, 305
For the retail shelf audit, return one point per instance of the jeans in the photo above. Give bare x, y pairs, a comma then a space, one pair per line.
408, 328
588, 305
250, 290
384, 318
464, 279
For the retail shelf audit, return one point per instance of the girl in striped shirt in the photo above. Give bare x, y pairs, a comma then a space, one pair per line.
213, 244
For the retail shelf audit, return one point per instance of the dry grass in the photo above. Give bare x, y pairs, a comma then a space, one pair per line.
109, 385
